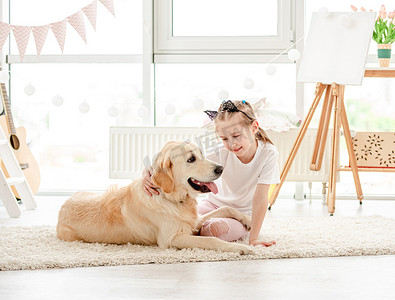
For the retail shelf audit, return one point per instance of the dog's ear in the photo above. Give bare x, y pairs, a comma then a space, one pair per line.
163, 175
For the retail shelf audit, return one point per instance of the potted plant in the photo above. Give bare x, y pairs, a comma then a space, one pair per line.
383, 34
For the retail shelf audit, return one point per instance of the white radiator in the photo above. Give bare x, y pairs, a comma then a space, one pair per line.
300, 168
129, 146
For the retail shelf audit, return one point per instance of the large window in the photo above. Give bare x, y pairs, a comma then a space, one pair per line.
233, 18
222, 26
68, 117
192, 88
174, 57
79, 94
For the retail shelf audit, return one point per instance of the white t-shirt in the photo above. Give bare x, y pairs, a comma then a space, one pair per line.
236, 186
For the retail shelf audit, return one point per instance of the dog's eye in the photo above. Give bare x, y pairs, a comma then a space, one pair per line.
191, 159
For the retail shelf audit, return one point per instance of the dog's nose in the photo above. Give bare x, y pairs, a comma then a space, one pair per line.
218, 170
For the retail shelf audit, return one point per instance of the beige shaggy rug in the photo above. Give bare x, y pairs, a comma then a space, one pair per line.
37, 247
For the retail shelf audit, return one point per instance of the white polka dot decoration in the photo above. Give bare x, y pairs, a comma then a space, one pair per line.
84, 107
29, 89
170, 109
293, 54
57, 100
346, 21
323, 10
143, 112
146, 27
4, 76
198, 103
248, 83
270, 69
113, 112
223, 95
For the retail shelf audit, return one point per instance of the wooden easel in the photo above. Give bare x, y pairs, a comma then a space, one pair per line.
334, 99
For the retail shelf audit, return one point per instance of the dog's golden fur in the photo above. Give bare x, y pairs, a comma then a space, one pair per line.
129, 215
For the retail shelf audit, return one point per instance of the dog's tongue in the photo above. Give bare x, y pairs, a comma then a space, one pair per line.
212, 186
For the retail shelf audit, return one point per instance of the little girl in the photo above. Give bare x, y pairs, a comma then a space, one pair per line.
250, 166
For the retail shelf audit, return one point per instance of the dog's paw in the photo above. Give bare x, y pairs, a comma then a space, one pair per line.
241, 249
246, 221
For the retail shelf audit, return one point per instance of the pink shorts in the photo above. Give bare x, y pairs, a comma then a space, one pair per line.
226, 229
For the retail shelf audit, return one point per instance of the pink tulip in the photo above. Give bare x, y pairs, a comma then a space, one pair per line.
382, 12
363, 8
354, 8
391, 15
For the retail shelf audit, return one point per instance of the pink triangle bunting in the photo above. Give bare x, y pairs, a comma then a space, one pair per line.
77, 22
59, 30
4, 31
21, 34
91, 13
40, 34
109, 4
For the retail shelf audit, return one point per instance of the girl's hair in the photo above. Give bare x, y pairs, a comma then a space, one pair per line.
227, 110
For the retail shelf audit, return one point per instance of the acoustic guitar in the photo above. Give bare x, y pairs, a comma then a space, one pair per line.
17, 139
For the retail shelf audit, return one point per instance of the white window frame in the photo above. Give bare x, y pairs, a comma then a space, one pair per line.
169, 49
166, 43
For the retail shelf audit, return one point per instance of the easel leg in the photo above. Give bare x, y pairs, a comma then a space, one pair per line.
320, 125
318, 93
351, 154
335, 149
322, 132
336, 97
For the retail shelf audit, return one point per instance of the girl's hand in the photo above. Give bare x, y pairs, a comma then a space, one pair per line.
148, 185
262, 243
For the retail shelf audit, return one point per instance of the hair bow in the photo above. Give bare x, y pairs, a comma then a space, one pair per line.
226, 106
212, 114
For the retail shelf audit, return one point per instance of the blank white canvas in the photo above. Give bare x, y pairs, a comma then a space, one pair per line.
337, 47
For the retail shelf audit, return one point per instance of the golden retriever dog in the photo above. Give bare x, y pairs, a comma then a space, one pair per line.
170, 219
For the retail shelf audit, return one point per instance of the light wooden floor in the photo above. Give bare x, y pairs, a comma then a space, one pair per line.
318, 278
